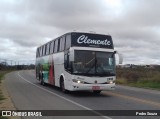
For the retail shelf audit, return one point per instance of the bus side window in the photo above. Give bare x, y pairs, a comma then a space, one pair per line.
44, 50
52, 47
68, 42
56, 46
37, 52
62, 41
67, 64
40, 51
66, 61
47, 48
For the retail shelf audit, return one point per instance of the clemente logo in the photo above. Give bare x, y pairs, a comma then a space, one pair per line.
84, 39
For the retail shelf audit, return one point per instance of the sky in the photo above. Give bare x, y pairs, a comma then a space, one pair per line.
133, 24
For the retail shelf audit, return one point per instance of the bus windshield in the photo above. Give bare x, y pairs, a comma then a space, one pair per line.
94, 63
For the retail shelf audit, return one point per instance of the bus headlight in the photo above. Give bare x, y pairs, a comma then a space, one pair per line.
77, 81
110, 81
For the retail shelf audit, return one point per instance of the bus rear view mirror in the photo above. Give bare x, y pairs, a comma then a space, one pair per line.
119, 57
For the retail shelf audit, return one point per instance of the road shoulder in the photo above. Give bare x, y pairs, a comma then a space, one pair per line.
7, 103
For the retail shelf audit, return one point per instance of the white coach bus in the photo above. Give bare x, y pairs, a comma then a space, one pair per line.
77, 61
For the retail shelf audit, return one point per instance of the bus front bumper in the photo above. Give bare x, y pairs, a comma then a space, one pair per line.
91, 87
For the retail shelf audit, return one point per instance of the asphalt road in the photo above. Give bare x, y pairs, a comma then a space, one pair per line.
27, 94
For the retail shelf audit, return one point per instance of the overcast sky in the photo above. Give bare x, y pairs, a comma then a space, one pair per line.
133, 24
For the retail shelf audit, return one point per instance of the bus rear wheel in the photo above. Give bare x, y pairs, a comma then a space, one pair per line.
42, 81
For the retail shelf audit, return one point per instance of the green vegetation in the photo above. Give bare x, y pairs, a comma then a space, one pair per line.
3, 117
139, 77
2, 73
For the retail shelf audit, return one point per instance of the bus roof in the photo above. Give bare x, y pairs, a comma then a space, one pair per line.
87, 39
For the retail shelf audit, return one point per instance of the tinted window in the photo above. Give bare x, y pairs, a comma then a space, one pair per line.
56, 46
51, 47
62, 42
37, 52
64, 39
47, 48
44, 50
68, 41
41, 51
67, 63
60, 46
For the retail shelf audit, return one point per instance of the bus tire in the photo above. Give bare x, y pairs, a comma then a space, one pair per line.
97, 91
42, 81
62, 86
39, 76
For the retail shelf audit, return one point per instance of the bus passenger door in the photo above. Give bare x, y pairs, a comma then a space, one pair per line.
67, 69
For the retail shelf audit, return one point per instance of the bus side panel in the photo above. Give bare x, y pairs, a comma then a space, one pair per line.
68, 80
45, 68
58, 66
51, 76
37, 68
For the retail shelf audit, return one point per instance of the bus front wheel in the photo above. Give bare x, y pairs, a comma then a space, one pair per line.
62, 86
97, 91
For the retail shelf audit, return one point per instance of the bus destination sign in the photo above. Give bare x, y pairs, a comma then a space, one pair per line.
92, 40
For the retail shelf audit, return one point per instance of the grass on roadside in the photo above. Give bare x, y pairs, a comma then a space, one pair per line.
144, 84
3, 117
147, 78
2, 74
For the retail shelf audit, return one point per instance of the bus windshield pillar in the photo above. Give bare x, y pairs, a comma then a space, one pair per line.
71, 53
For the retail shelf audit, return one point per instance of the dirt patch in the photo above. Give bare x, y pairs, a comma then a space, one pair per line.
7, 103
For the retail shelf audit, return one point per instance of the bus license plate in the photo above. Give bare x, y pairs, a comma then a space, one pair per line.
95, 87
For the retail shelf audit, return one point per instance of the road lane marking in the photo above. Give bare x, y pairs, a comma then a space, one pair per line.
84, 107
134, 98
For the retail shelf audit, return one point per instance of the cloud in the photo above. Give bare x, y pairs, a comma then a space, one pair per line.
134, 25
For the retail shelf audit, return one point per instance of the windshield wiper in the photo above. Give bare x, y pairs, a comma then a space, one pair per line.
94, 64
90, 68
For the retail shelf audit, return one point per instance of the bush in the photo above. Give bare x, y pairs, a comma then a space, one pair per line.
156, 78
132, 77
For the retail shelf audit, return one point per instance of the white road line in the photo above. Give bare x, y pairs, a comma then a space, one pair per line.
106, 117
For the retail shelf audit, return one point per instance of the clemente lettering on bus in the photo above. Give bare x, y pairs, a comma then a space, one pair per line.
84, 39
